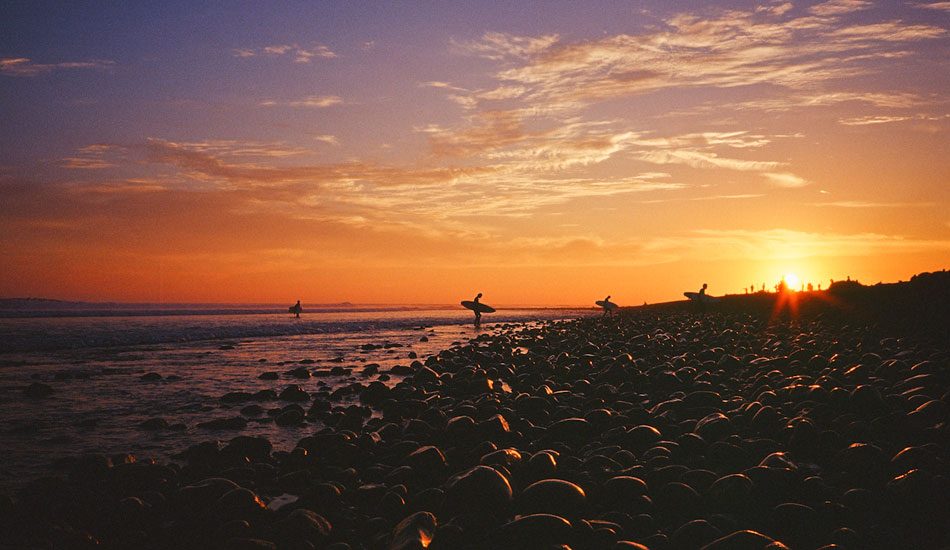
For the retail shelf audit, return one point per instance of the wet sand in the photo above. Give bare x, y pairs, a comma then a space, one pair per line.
658, 428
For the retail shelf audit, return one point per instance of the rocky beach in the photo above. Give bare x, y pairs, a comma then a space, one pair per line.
751, 425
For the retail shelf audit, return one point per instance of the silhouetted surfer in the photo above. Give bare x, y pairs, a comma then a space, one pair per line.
296, 309
608, 306
701, 301
478, 314
478, 308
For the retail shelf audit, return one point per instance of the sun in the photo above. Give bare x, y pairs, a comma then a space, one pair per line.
791, 280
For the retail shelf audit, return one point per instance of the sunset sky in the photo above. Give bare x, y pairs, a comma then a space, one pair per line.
421, 152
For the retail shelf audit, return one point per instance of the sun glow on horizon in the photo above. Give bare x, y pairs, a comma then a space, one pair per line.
791, 280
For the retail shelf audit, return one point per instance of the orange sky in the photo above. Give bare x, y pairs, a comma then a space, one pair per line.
542, 156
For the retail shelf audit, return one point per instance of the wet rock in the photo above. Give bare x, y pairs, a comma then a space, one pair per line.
239, 503
694, 534
294, 393
268, 376
494, 428
237, 397
257, 449
703, 399
151, 377
265, 395
552, 496
479, 489
714, 427
509, 459
460, 428
745, 540
427, 460
299, 372
197, 497
414, 532
425, 375
914, 457
796, 524
731, 493
532, 532
677, 499
302, 525
541, 465
641, 438
927, 415
290, 417
568, 430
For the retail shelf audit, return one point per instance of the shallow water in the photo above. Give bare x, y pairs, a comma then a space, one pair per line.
95, 366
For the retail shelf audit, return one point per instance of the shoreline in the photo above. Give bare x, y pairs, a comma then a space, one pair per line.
659, 427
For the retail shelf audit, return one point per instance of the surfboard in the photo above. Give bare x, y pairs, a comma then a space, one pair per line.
605, 304
295, 309
697, 297
482, 308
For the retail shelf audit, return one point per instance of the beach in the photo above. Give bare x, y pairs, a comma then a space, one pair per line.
659, 428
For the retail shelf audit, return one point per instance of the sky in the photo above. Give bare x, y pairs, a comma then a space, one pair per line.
546, 153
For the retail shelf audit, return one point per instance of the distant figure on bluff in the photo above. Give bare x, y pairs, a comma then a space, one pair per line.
296, 309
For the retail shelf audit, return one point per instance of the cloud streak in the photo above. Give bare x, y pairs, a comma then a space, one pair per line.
297, 53
309, 102
24, 66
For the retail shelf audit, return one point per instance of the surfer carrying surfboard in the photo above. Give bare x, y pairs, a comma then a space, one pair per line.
478, 314
478, 308
296, 309
607, 305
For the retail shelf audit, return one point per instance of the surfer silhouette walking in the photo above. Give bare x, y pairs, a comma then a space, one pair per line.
296, 309
608, 306
478, 314
478, 308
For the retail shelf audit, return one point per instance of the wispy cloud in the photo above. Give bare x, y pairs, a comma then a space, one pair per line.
298, 53
944, 6
869, 204
733, 48
702, 159
23, 66
328, 139
310, 102
839, 7
498, 46
785, 179
697, 151
90, 157
885, 119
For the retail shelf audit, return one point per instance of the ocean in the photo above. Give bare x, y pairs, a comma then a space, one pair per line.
139, 379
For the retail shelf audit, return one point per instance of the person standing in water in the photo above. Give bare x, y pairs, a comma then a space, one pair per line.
296, 309
478, 314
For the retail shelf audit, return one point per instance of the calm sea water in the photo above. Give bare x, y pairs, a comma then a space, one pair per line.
95, 362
